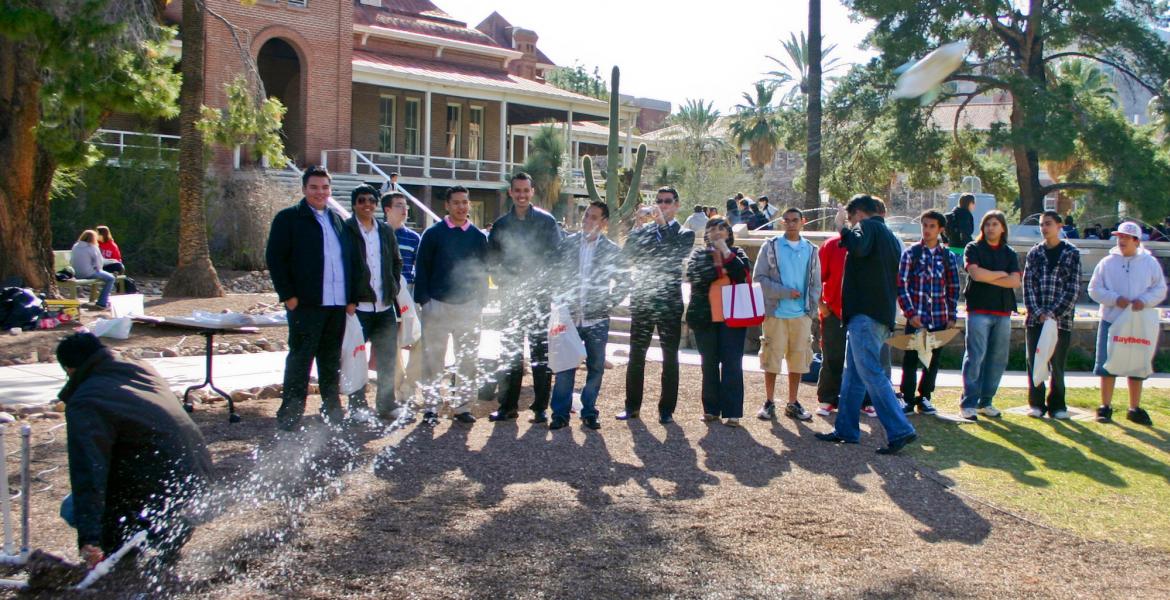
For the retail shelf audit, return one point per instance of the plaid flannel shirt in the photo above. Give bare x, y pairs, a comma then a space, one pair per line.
928, 285
1052, 289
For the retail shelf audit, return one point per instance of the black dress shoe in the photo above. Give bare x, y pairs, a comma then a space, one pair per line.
665, 419
831, 436
465, 417
626, 415
430, 418
592, 423
898, 444
558, 423
498, 416
538, 417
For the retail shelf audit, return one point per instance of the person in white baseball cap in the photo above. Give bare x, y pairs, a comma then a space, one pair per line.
1129, 276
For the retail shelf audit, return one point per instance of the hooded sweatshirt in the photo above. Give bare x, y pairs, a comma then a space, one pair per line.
1137, 277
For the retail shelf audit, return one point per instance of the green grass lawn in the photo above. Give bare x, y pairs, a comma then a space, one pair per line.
1100, 480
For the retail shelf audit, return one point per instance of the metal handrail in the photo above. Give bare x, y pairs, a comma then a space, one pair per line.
432, 218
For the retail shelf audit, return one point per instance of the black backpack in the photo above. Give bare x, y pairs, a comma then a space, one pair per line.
19, 307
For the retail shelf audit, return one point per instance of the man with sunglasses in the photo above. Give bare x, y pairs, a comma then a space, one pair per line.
376, 266
655, 253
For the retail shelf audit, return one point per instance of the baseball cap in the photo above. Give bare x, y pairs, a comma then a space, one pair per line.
1129, 228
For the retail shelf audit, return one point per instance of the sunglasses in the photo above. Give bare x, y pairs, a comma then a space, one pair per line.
365, 200
664, 201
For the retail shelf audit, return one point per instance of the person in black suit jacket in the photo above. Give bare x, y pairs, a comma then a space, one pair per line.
307, 259
593, 278
376, 266
655, 253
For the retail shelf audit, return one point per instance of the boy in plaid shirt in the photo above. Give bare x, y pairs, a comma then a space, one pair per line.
928, 294
1052, 279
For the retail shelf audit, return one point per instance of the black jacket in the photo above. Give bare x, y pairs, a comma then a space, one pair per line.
521, 251
870, 286
701, 272
296, 253
358, 272
131, 447
608, 267
656, 265
960, 227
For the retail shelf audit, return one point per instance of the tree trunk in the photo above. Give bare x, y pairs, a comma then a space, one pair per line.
25, 246
812, 169
194, 276
1031, 57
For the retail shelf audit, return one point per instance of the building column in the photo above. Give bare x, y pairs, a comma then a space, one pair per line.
569, 134
504, 139
427, 138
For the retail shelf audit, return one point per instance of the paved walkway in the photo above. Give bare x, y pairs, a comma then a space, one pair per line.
39, 383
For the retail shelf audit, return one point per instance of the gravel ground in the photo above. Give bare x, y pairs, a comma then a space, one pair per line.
635, 510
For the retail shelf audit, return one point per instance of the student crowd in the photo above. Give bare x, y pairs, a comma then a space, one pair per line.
325, 267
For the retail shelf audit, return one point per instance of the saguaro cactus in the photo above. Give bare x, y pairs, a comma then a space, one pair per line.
619, 209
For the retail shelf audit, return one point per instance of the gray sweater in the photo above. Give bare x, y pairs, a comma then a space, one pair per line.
85, 259
767, 274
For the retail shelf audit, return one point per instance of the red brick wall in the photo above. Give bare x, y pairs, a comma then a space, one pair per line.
321, 34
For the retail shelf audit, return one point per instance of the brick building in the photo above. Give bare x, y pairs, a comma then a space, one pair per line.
380, 86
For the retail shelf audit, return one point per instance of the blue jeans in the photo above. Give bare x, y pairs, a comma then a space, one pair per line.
721, 353
595, 338
865, 374
988, 340
107, 287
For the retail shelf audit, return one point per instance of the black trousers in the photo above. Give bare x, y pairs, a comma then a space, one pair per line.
1036, 394
381, 330
314, 333
668, 321
910, 364
832, 359
525, 316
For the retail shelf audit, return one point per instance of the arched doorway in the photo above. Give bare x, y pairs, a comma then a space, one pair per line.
280, 70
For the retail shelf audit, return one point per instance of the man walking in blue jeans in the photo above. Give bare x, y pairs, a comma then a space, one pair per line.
596, 280
869, 302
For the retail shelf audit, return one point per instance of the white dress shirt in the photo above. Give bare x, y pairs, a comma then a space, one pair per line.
373, 247
333, 276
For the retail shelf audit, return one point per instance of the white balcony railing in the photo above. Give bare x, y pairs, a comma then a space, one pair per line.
118, 145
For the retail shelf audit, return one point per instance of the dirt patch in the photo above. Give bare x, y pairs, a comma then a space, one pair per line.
636, 510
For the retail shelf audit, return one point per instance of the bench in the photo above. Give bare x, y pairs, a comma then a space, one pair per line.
71, 287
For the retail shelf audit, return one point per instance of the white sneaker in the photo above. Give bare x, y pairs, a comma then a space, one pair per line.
969, 413
990, 411
869, 411
1035, 413
1061, 415
825, 409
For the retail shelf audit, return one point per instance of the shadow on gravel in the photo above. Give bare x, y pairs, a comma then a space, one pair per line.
671, 459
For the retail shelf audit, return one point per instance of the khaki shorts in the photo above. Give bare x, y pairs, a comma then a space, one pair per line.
786, 339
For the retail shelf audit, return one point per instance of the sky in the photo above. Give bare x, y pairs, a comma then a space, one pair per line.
672, 50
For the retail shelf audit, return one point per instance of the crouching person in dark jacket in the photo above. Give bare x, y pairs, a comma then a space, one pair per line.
136, 459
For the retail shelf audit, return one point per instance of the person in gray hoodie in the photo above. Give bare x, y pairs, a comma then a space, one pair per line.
1129, 277
789, 273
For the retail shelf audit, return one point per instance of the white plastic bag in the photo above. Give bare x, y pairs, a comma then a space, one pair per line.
354, 358
1045, 346
1133, 339
565, 348
119, 328
409, 324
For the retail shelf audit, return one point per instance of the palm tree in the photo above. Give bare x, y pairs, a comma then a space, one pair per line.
757, 124
696, 118
1087, 80
544, 164
794, 69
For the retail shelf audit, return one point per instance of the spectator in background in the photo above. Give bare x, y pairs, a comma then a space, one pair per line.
1128, 277
732, 212
712, 212
1070, 228
698, 220
1052, 280
111, 254
961, 224
86, 260
767, 210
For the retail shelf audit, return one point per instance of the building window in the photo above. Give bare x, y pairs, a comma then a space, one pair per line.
475, 133
454, 129
377, 3
298, 3
410, 127
386, 124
